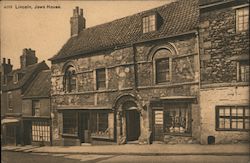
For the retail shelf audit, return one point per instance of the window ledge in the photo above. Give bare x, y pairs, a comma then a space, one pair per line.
69, 135
234, 130
179, 134
101, 137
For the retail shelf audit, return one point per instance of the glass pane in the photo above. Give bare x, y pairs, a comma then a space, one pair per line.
221, 112
227, 123
234, 123
227, 112
240, 111
247, 124
221, 123
234, 111
240, 123
247, 111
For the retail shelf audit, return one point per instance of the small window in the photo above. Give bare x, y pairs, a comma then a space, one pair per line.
100, 79
70, 123
149, 23
242, 19
10, 101
232, 118
36, 108
70, 80
243, 71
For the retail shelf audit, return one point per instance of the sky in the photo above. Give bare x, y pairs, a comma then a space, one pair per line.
46, 30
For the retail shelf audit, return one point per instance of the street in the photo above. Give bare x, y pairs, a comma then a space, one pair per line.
20, 157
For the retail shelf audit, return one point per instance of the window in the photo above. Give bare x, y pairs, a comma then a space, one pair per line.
10, 100
40, 131
70, 123
162, 70
100, 126
162, 66
232, 118
242, 16
177, 119
100, 78
149, 23
36, 108
243, 71
70, 80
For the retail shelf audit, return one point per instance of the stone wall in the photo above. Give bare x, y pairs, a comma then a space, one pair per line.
212, 97
16, 102
219, 41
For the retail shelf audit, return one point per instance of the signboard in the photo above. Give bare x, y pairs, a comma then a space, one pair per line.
159, 117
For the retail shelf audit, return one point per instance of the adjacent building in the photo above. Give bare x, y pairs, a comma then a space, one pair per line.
224, 60
14, 85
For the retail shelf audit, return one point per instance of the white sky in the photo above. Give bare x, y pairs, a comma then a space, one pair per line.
46, 30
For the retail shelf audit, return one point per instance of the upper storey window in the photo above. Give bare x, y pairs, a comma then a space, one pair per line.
149, 23
162, 59
100, 78
70, 79
242, 19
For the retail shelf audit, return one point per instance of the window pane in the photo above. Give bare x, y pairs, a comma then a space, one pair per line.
100, 78
234, 112
221, 112
234, 123
227, 123
240, 123
227, 112
247, 124
222, 123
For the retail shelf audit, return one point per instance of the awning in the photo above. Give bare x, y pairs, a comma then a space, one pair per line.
9, 120
69, 107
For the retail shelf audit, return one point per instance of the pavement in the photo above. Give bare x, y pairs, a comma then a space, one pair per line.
135, 149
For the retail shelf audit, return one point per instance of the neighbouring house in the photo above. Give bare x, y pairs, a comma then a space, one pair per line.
36, 111
14, 85
224, 62
132, 80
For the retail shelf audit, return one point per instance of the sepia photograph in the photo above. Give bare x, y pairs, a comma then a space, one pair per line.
125, 81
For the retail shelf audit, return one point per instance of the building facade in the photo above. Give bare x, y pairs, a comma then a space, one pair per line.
135, 79
224, 59
14, 85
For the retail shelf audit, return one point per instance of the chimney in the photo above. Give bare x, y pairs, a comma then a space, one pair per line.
77, 22
6, 67
28, 58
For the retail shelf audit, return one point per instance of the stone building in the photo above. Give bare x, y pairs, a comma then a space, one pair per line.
224, 60
135, 79
14, 84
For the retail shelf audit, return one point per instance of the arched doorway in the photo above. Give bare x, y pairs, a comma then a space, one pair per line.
128, 119
132, 121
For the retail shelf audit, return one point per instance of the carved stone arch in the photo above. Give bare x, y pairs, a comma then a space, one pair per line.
68, 64
123, 98
170, 46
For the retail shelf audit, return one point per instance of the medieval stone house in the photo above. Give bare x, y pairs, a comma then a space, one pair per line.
144, 77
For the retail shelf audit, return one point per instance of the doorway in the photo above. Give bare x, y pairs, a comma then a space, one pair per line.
132, 125
84, 128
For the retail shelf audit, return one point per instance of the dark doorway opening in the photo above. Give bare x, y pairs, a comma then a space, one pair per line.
84, 128
27, 125
211, 140
132, 125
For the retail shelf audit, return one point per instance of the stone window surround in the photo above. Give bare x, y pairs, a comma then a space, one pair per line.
243, 117
68, 78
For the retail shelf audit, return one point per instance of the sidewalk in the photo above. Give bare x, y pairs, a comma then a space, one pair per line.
133, 149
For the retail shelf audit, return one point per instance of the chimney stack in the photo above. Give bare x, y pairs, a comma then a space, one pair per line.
77, 22
6, 67
28, 58
4, 60
9, 61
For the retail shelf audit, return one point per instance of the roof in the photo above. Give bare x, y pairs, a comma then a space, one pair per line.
28, 73
40, 86
178, 17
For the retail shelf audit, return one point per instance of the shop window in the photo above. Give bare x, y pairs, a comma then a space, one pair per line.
232, 118
70, 120
35, 108
10, 100
149, 23
243, 71
242, 19
100, 79
40, 131
162, 60
70, 79
100, 124
177, 119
